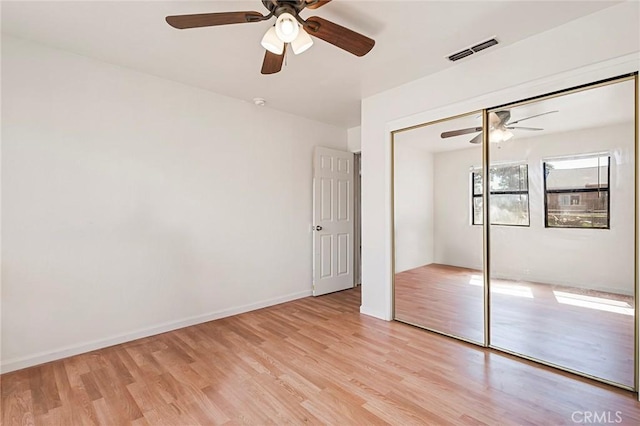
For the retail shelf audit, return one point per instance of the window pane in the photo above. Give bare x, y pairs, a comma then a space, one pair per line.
578, 173
509, 178
509, 209
477, 183
506, 209
503, 178
477, 210
578, 209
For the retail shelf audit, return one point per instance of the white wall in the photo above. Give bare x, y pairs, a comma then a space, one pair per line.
587, 258
354, 139
414, 232
457, 242
134, 205
553, 60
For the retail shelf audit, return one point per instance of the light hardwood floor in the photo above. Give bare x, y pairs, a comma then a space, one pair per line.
537, 320
312, 361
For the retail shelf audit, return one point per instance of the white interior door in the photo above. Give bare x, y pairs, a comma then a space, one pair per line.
332, 220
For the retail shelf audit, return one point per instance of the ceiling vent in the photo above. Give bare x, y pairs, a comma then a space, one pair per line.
460, 55
473, 49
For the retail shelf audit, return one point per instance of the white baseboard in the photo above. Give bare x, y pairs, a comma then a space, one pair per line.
373, 313
80, 348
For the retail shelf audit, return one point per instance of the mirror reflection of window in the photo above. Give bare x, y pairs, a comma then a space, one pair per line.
577, 192
509, 186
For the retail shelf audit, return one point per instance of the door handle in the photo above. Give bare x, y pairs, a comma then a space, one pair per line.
318, 228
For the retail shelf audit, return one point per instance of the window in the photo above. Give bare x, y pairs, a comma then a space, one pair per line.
577, 192
509, 185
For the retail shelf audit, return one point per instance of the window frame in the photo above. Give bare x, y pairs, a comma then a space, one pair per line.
546, 191
478, 170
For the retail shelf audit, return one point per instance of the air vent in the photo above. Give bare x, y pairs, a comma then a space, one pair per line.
461, 55
471, 50
484, 45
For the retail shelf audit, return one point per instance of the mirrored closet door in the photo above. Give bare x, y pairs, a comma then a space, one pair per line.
522, 236
438, 278
562, 237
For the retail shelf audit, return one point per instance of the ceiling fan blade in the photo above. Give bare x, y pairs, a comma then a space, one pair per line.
460, 132
533, 116
477, 139
317, 4
499, 118
504, 116
182, 22
272, 63
339, 36
524, 128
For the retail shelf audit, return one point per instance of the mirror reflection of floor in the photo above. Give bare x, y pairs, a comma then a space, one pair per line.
584, 330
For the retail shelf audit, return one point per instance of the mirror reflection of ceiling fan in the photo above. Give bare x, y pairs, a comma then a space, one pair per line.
289, 29
499, 127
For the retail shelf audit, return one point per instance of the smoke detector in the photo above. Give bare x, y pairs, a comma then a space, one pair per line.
259, 102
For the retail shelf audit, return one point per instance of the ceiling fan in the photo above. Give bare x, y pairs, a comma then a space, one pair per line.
289, 28
499, 127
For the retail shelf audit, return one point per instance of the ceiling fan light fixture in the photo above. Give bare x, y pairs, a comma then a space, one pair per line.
272, 42
499, 135
287, 28
301, 43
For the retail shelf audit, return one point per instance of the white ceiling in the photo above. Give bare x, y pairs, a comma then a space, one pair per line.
325, 83
597, 107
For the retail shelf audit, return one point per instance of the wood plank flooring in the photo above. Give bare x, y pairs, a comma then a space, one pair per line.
527, 318
311, 361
